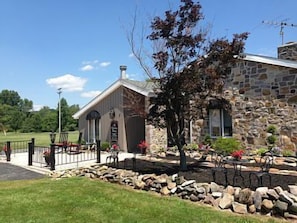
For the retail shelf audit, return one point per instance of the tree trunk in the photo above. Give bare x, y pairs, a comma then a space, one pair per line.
182, 160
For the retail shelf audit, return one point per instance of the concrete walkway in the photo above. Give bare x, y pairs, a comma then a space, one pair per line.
18, 167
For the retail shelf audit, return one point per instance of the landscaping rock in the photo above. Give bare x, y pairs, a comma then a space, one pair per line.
280, 207
266, 201
239, 208
284, 197
226, 201
267, 206
245, 196
293, 189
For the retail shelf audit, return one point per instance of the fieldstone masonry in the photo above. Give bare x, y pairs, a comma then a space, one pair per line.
261, 95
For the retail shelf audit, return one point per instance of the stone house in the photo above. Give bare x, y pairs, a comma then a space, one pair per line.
262, 91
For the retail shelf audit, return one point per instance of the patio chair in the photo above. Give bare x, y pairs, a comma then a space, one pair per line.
75, 147
219, 167
63, 141
266, 163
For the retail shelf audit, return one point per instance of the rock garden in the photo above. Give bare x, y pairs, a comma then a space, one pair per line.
161, 174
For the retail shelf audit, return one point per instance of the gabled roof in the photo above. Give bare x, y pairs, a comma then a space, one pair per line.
142, 87
269, 60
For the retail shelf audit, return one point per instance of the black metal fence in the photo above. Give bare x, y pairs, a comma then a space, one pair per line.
54, 156
50, 156
14, 147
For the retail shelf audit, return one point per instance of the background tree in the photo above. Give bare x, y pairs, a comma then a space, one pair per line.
72, 124
49, 119
16, 114
190, 68
10, 97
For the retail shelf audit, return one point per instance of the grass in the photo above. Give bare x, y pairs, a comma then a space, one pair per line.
84, 200
41, 139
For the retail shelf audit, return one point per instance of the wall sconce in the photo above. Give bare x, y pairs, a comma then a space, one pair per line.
111, 113
53, 137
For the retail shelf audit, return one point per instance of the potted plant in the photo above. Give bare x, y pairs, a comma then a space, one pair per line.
47, 158
7, 152
143, 147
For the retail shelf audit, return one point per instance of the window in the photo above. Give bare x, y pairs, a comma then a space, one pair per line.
220, 123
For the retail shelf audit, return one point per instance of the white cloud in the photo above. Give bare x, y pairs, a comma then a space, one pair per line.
90, 94
131, 55
67, 82
87, 67
104, 64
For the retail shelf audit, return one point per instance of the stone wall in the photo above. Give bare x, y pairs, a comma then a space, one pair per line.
251, 117
266, 81
156, 138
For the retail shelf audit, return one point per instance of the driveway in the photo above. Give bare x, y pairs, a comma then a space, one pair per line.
12, 172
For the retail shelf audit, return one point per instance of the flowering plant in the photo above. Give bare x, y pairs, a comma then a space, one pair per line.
237, 154
142, 146
5, 148
47, 153
115, 147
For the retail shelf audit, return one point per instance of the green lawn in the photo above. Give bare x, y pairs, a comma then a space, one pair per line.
84, 200
41, 139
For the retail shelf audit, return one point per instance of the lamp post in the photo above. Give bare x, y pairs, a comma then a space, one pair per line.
59, 93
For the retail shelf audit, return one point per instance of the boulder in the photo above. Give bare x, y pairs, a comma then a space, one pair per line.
257, 200
245, 196
239, 208
194, 198
267, 206
165, 191
284, 197
272, 194
280, 207
293, 189
293, 208
226, 201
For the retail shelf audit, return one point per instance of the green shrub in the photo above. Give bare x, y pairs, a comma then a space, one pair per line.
191, 147
104, 146
207, 140
261, 151
226, 146
271, 139
271, 129
287, 152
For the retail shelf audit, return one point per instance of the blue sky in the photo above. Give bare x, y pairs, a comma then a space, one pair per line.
78, 45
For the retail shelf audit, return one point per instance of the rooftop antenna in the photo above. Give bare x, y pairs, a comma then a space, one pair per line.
282, 25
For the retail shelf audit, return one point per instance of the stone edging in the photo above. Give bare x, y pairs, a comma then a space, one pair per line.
274, 202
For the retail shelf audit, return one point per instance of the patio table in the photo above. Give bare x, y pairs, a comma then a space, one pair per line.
237, 167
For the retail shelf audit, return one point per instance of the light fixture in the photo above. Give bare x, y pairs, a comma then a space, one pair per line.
53, 137
111, 113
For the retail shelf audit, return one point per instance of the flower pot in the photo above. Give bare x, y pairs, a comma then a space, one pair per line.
8, 153
143, 151
47, 160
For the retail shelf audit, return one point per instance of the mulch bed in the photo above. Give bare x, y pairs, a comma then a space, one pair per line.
202, 173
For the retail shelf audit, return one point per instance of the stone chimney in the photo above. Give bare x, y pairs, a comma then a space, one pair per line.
287, 51
123, 69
